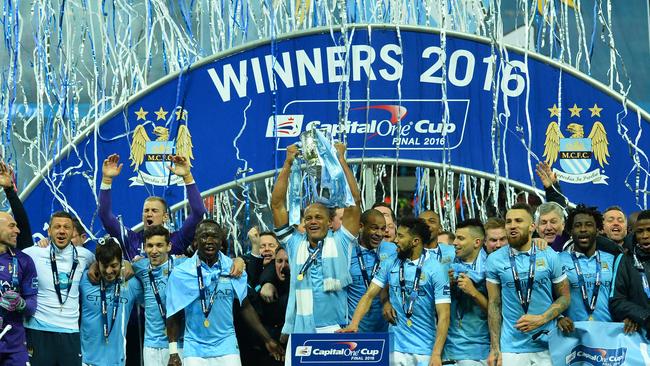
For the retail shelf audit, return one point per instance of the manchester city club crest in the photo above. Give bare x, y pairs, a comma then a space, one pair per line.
156, 155
576, 153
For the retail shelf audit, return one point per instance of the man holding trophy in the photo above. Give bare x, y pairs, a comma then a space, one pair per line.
319, 258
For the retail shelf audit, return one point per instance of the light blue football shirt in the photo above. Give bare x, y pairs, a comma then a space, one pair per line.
374, 320
94, 349
154, 326
444, 254
548, 271
577, 310
330, 308
434, 289
218, 339
469, 337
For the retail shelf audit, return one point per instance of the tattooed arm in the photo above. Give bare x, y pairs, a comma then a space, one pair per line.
494, 322
562, 296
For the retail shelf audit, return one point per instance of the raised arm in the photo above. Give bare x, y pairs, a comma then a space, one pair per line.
197, 208
111, 168
494, 323
551, 184
279, 194
24, 239
352, 214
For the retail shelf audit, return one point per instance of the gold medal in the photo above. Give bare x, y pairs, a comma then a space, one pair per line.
591, 317
300, 276
409, 322
206, 323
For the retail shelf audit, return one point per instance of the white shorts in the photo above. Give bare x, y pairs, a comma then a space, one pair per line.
157, 356
227, 360
527, 359
408, 359
287, 351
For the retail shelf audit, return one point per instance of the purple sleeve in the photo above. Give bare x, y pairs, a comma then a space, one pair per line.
29, 284
112, 225
182, 238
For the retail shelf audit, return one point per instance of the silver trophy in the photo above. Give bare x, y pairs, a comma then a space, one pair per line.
309, 151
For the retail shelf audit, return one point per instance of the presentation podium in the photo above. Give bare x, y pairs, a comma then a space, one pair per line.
357, 349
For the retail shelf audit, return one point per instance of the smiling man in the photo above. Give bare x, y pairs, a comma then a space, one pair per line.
368, 252
443, 252
153, 272
200, 294
533, 290
319, 258
550, 224
590, 271
615, 224
106, 308
53, 331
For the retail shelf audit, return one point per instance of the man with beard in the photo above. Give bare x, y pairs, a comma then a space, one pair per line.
319, 258
590, 271
533, 290
106, 308
443, 252
53, 331
631, 293
468, 342
194, 288
420, 289
367, 254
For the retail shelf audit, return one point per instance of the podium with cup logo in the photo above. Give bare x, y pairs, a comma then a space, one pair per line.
354, 349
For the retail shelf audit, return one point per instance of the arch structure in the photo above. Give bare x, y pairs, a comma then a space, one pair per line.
401, 94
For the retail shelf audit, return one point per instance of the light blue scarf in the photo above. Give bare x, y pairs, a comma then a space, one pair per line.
183, 288
336, 277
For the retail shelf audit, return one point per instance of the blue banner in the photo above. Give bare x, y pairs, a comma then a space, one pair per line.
496, 112
598, 344
353, 349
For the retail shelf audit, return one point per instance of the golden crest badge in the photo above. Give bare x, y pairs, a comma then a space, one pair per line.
155, 155
576, 152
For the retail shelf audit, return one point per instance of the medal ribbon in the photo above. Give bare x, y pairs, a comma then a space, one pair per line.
310, 260
55, 273
362, 265
524, 301
116, 304
413, 295
154, 287
206, 308
589, 304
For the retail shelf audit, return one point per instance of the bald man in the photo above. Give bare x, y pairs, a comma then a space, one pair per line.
443, 252
18, 289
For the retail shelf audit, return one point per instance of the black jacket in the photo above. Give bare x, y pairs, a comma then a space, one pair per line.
628, 299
